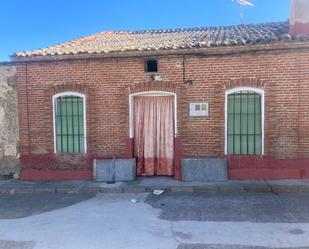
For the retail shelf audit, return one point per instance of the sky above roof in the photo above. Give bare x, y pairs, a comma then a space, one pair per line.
33, 24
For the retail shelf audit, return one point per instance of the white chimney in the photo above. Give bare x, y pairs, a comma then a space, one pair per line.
299, 19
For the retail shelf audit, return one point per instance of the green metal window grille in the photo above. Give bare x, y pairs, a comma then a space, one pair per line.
70, 132
244, 123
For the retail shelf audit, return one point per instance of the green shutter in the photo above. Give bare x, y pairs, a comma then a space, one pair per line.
69, 125
244, 123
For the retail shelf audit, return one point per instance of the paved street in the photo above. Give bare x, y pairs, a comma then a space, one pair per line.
168, 221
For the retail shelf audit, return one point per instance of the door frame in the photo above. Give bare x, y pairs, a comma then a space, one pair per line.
259, 91
150, 93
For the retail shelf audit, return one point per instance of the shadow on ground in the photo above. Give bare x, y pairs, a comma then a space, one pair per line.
9, 244
239, 207
23, 205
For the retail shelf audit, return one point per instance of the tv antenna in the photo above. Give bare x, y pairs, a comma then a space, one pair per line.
243, 3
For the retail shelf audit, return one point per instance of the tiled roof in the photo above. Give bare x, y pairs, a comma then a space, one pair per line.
167, 39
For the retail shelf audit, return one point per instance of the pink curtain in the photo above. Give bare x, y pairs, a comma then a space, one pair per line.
154, 135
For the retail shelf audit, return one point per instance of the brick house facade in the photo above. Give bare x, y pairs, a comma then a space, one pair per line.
280, 69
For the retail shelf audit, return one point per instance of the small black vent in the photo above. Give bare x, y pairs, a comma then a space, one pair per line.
151, 66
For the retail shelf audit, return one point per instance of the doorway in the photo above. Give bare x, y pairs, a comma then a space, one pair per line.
153, 122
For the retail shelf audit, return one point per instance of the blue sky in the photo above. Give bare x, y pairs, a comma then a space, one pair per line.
32, 24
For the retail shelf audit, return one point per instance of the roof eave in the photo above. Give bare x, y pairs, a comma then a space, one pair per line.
206, 51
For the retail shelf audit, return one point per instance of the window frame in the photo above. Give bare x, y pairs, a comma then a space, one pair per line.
259, 91
54, 100
146, 66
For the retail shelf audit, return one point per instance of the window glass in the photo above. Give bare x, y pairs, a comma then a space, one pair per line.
244, 123
69, 111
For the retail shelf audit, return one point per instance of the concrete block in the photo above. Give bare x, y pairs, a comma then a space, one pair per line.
134, 190
23, 190
231, 189
182, 189
204, 169
285, 189
44, 190
88, 190
125, 170
111, 190
258, 188
150, 189
206, 189
304, 188
119, 170
67, 190
104, 170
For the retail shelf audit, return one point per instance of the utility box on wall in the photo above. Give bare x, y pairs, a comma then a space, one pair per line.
199, 109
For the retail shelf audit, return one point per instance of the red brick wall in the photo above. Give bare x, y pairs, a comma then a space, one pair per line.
284, 75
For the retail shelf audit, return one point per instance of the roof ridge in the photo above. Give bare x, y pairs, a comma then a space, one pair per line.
163, 39
168, 30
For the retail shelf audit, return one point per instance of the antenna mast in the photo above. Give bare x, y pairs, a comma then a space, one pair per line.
241, 4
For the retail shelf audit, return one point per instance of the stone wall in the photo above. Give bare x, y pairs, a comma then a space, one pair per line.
9, 153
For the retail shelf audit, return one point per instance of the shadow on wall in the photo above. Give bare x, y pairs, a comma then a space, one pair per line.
9, 162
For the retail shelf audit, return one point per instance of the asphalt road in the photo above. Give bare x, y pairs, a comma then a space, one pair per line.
246, 207
168, 221
23, 205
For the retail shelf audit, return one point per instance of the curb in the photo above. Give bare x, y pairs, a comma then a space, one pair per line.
141, 189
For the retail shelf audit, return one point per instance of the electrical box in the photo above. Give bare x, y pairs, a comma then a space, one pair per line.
200, 109
157, 77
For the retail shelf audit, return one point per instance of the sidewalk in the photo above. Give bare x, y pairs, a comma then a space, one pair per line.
143, 184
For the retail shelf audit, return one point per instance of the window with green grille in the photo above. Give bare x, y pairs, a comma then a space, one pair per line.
244, 123
69, 124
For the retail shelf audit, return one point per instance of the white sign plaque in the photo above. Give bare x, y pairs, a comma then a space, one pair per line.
199, 109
